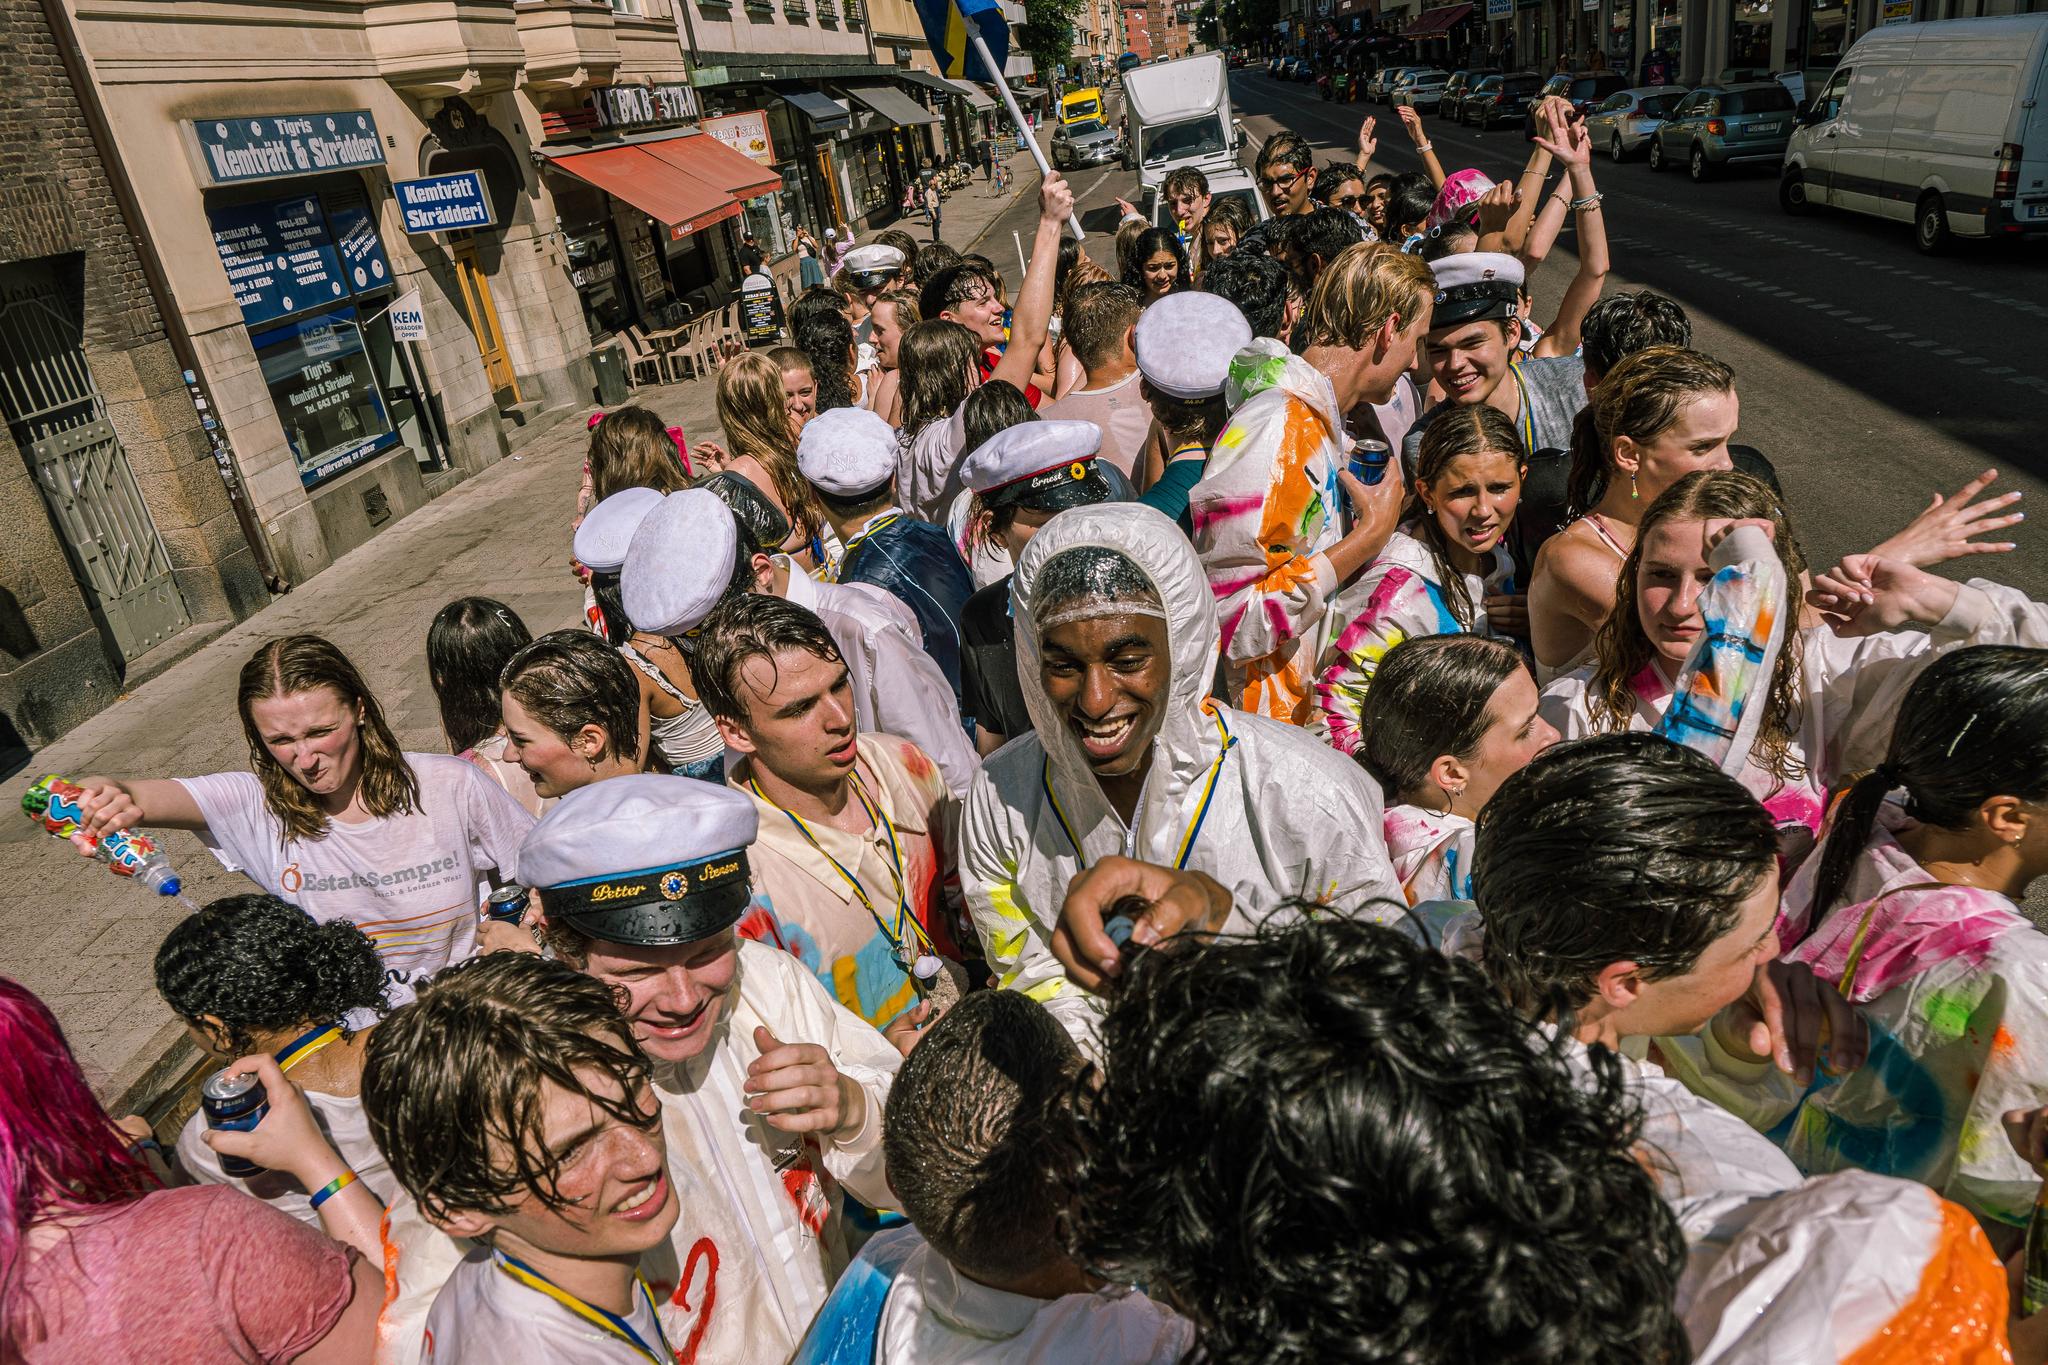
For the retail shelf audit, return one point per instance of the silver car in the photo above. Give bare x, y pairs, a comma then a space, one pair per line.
1626, 119
1421, 89
1091, 142
1718, 126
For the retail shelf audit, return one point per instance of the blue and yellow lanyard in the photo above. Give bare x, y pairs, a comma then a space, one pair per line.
591, 1313
907, 930
846, 551
1528, 423
306, 1044
1194, 830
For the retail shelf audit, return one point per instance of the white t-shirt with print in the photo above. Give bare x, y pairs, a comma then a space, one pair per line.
408, 881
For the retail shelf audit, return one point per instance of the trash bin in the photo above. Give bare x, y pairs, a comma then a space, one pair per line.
609, 363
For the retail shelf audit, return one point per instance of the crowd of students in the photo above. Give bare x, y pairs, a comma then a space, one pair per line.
1044, 848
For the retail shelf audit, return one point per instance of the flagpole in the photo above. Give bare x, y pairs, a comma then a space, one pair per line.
988, 63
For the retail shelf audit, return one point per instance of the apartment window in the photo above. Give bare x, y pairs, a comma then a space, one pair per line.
631, 7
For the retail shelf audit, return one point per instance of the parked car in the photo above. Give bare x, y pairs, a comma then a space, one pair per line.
1455, 88
1625, 121
1715, 127
1381, 91
1498, 99
1584, 90
1421, 89
1892, 134
1091, 142
1273, 65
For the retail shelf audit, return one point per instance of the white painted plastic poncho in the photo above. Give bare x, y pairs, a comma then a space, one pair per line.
1288, 816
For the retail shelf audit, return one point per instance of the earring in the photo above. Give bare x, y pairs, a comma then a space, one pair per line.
1632, 491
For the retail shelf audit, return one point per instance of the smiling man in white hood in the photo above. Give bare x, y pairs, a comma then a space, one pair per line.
1116, 647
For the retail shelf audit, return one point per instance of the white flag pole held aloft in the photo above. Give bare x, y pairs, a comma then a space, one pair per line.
988, 61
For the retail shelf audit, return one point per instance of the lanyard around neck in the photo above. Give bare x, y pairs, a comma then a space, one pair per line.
888, 518
1528, 423
1194, 829
306, 1044
590, 1312
909, 937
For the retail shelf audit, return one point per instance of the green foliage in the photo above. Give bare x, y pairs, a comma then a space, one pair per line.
1209, 26
1047, 33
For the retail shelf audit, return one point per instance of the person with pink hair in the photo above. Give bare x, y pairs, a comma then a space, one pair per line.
99, 1262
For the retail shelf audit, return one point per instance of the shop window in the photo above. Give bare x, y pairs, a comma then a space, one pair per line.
1749, 38
326, 398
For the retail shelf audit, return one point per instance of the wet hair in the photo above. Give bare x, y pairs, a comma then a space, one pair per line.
1431, 695
1640, 398
1127, 234
1450, 239
996, 406
1285, 148
1184, 178
1257, 284
1333, 177
1068, 256
1408, 205
744, 628
1327, 1142
1150, 243
259, 965
308, 663
607, 591
1455, 432
1098, 321
955, 285
467, 646
1622, 650
762, 527
1322, 234
970, 1134
1233, 213
905, 304
825, 336
60, 1155
1621, 324
1358, 291
938, 361
1973, 725
568, 679
631, 448
453, 1083
930, 259
755, 415
904, 243
1618, 848
1087, 572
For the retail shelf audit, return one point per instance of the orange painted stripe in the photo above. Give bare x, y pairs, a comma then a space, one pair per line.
1957, 1315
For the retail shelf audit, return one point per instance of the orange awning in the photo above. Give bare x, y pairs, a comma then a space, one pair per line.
1437, 21
655, 186
709, 159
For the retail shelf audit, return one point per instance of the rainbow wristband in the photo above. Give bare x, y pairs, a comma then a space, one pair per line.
333, 1187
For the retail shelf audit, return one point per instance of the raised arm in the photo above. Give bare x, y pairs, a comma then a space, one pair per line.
1412, 121
1575, 151
1034, 301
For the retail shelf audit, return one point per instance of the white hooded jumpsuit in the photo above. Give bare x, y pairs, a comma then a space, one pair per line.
1263, 807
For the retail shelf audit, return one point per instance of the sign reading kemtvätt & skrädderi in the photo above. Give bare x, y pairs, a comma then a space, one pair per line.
233, 151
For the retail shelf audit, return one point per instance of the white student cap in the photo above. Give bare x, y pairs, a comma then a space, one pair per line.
847, 452
680, 563
872, 265
1474, 286
646, 859
1184, 343
608, 528
1048, 465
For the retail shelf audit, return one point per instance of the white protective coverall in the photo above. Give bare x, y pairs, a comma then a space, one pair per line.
1286, 815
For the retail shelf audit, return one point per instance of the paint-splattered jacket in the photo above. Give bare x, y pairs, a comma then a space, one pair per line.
1953, 981
1264, 512
1398, 597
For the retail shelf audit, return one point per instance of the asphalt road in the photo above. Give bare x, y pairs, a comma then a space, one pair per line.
1871, 375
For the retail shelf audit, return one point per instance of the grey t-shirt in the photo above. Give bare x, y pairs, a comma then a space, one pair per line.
1553, 392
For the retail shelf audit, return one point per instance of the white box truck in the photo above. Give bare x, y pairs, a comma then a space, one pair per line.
1176, 114
1943, 125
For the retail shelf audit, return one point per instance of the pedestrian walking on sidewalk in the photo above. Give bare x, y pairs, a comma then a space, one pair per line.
810, 259
931, 208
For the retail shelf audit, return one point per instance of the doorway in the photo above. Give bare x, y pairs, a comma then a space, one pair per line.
483, 323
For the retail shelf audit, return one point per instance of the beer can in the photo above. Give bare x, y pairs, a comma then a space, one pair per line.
1369, 461
236, 1103
506, 904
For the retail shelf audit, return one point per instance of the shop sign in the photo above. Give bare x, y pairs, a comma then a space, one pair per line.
236, 150
760, 317
408, 318
1500, 9
444, 203
278, 256
1898, 11
625, 107
355, 237
597, 272
745, 133
1590, 6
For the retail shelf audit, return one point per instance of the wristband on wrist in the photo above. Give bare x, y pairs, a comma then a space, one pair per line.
146, 1144
1591, 201
1425, 146
333, 1187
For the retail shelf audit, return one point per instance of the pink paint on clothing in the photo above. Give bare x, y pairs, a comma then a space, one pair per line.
1276, 618
1207, 513
1225, 587
1911, 931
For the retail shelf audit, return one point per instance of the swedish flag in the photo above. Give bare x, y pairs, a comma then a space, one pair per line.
945, 27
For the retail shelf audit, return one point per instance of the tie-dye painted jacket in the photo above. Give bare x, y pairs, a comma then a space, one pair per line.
1398, 597
1264, 512
1953, 982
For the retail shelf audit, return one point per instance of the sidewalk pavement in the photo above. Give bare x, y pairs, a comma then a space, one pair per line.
85, 940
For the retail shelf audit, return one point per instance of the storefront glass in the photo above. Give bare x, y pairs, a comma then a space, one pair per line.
326, 398
593, 254
1667, 35
868, 160
1749, 39
1827, 33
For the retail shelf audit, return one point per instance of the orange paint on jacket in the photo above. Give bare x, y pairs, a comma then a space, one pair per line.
1957, 1315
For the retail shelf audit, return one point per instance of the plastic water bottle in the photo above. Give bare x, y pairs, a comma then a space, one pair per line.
58, 806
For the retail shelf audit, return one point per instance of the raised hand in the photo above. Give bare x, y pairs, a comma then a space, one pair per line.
1946, 530
1411, 121
1368, 142
1497, 207
1867, 594
1568, 143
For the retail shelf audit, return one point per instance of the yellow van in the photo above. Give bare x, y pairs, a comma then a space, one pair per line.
1077, 105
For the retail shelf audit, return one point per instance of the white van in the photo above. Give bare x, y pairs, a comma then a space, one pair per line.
1943, 125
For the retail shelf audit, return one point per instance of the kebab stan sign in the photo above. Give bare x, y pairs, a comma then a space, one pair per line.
746, 134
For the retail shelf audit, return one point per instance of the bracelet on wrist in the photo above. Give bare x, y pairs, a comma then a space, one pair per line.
1591, 201
332, 1188
146, 1144
1425, 146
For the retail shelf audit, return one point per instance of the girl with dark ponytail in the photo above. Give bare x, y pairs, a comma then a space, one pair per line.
1447, 571
1911, 912
251, 974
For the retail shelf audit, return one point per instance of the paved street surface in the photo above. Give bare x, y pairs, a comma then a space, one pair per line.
1869, 374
